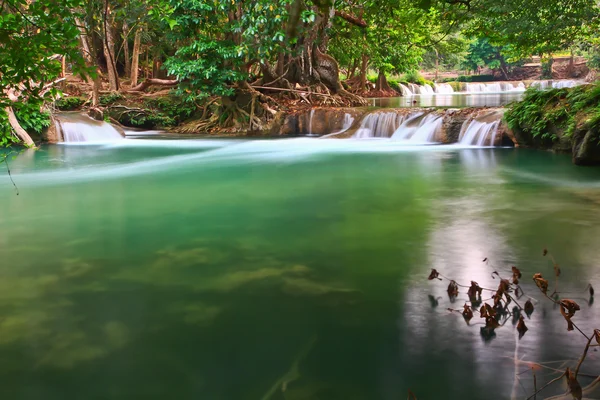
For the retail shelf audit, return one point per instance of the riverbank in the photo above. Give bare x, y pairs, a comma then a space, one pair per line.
562, 120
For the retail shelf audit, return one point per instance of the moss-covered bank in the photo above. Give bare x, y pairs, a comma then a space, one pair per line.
562, 120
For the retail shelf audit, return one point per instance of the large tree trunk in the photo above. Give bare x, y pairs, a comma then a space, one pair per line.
126, 49
17, 128
135, 58
109, 48
382, 84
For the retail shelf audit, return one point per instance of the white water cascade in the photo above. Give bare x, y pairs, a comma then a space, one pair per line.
443, 88
495, 87
76, 127
405, 90
559, 84
347, 124
480, 132
426, 89
381, 124
419, 128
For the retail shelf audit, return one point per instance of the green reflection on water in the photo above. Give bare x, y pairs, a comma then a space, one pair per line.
259, 277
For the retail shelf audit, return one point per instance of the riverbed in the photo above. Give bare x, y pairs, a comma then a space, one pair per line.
286, 269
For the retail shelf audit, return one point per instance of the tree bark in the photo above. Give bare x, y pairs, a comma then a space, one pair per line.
382, 84
89, 56
17, 128
109, 48
126, 49
353, 69
135, 58
363, 72
150, 82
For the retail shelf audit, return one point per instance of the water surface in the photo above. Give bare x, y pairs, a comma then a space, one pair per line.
449, 100
284, 269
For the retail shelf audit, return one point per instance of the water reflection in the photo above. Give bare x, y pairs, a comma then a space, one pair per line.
449, 100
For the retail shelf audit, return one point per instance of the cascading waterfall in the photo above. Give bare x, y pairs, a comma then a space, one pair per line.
347, 124
495, 87
405, 90
310, 121
479, 133
419, 128
76, 127
559, 84
426, 89
443, 88
382, 124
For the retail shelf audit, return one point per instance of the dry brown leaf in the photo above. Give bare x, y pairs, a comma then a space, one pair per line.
491, 323
487, 311
516, 275
434, 275
591, 289
528, 307
541, 282
545, 252
521, 327
474, 290
452, 289
467, 312
556, 270
568, 309
574, 386
597, 335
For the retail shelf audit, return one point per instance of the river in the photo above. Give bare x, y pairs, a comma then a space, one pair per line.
285, 269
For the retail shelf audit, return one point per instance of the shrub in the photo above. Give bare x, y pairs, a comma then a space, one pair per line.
69, 103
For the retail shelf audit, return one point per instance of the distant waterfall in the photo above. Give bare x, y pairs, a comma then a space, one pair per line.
426, 89
405, 90
443, 88
419, 128
381, 124
76, 127
495, 87
558, 84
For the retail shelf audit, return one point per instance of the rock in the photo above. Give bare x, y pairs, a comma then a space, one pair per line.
96, 114
586, 147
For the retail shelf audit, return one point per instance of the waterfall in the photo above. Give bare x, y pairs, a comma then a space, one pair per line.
495, 87
443, 88
405, 90
479, 133
415, 89
310, 119
558, 84
426, 89
77, 127
419, 128
381, 124
347, 124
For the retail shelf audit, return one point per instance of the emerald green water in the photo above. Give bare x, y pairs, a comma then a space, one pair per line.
286, 269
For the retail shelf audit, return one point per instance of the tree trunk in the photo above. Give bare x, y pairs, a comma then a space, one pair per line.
89, 56
437, 64
109, 49
135, 59
382, 84
571, 66
126, 49
352, 70
363, 72
17, 128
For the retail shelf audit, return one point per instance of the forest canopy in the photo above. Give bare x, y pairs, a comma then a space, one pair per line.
239, 62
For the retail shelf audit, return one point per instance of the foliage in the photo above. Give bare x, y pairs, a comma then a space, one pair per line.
69, 103
475, 78
543, 114
416, 78
110, 98
29, 116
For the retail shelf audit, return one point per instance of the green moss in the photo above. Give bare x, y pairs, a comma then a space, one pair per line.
545, 117
69, 103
